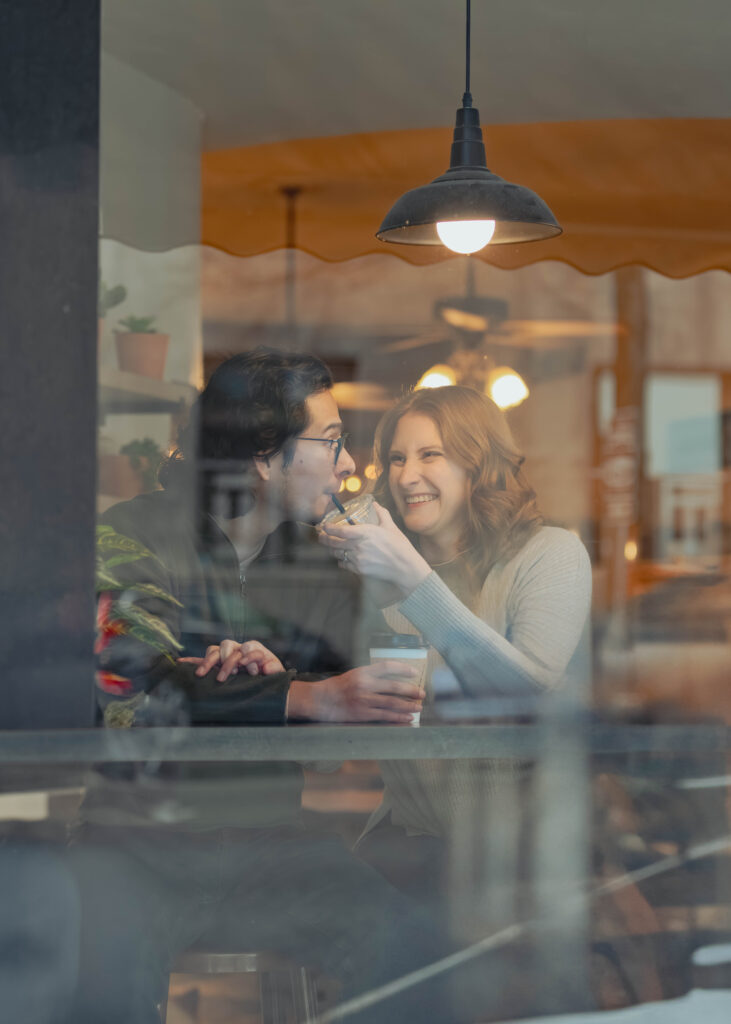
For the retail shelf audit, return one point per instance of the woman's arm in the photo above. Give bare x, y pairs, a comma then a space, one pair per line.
547, 590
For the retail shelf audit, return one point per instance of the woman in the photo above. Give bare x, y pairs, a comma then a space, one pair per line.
461, 556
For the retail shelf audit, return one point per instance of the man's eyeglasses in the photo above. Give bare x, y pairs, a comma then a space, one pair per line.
336, 443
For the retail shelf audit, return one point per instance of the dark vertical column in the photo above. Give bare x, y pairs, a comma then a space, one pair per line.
290, 193
49, 158
726, 464
628, 429
625, 528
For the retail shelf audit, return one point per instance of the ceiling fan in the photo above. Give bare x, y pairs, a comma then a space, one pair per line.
470, 319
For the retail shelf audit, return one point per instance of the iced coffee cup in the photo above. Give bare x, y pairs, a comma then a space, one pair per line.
356, 512
406, 647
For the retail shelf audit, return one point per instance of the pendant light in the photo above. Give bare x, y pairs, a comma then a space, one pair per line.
468, 206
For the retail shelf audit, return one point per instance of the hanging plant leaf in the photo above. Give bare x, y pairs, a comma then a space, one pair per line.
105, 580
152, 591
121, 713
149, 640
146, 621
122, 559
114, 541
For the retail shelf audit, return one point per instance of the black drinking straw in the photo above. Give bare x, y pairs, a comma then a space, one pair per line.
341, 508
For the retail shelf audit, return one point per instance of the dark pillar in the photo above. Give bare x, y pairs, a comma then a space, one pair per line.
49, 157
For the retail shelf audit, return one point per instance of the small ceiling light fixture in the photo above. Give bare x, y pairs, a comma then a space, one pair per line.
437, 376
468, 206
506, 387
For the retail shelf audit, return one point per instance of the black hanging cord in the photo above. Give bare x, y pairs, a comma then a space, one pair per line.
467, 99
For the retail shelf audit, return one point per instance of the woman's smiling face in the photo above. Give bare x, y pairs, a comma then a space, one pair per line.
429, 489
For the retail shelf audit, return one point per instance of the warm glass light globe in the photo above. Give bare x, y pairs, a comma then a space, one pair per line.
465, 236
439, 376
370, 471
507, 388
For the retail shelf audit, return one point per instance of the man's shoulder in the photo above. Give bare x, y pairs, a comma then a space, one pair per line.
142, 506
152, 514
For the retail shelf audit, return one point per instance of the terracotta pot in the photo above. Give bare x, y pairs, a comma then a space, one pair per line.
117, 478
142, 353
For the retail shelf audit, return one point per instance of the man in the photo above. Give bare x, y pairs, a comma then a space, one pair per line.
268, 426
168, 856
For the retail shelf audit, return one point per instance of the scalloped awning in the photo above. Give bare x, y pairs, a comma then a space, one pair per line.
650, 192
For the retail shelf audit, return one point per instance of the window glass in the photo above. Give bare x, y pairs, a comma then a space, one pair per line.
457, 749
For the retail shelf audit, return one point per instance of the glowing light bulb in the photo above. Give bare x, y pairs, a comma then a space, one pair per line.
506, 388
631, 550
353, 483
465, 236
370, 471
439, 376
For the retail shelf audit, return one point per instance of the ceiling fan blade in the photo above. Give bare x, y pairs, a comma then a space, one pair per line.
362, 395
561, 328
429, 337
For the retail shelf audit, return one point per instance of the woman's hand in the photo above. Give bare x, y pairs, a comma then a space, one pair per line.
386, 691
380, 551
232, 656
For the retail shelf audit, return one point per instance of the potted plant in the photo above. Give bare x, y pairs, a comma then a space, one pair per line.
140, 347
107, 298
131, 470
145, 457
119, 615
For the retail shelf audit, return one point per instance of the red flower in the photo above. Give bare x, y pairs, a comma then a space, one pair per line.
119, 686
106, 628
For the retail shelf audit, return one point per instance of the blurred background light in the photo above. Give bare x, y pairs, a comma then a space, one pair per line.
437, 376
506, 387
353, 483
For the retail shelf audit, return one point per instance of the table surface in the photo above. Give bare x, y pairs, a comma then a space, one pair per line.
357, 742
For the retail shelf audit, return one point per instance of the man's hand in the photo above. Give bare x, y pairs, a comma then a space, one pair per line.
382, 692
232, 657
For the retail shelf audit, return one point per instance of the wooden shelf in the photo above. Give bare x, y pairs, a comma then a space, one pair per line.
122, 392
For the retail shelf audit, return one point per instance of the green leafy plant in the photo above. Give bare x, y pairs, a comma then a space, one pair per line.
139, 324
118, 613
108, 298
145, 458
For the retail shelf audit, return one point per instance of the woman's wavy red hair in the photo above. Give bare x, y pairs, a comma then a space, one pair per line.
502, 513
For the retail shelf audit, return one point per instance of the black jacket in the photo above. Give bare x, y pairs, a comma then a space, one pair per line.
283, 602
304, 609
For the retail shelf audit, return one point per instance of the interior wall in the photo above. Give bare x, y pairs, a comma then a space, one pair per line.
150, 225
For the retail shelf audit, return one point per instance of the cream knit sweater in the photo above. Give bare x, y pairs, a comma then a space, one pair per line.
522, 638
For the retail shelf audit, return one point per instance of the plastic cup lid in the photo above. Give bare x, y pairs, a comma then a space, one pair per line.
354, 507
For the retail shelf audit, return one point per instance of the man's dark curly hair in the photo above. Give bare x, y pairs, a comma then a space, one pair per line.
253, 405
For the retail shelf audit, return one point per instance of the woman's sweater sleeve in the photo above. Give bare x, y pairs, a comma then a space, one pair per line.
547, 590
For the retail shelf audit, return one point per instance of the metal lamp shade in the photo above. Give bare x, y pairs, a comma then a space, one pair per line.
468, 193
